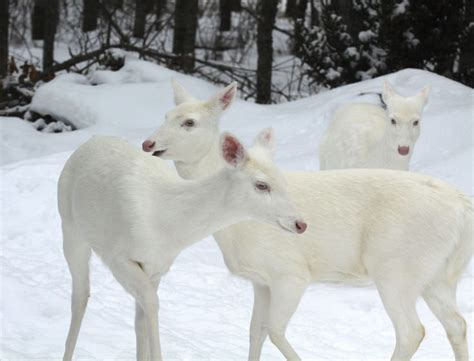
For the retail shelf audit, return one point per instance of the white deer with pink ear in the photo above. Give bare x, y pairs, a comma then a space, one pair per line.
187, 130
411, 234
137, 215
362, 135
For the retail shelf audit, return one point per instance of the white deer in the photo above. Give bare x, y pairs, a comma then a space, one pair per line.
137, 215
362, 135
410, 234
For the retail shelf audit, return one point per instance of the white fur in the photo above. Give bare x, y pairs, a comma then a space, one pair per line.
410, 234
363, 136
137, 215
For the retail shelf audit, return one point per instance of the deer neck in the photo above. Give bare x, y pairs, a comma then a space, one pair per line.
208, 165
208, 205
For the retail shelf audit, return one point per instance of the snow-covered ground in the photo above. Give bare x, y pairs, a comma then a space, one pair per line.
204, 311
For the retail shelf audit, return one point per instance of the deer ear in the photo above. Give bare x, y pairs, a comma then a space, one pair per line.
224, 98
266, 139
181, 95
423, 95
233, 151
387, 92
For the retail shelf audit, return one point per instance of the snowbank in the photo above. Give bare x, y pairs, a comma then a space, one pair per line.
205, 312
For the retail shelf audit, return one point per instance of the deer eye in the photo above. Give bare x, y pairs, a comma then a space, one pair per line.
188, 123
393, 121
262, 186
415, 123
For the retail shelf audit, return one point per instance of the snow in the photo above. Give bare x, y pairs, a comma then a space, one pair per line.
204, 311
365, 36
352, 53
332, 74
401, 7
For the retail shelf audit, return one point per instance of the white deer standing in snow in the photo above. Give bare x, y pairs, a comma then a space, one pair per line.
410, 234
138, 215
362, 135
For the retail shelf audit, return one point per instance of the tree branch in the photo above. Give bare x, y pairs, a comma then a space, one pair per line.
251, 13
76, 60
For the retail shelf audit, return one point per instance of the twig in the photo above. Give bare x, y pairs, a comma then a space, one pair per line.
251, 13
76, 60
124, 38
17, 111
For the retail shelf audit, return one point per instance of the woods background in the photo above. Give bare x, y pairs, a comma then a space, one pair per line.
276, 50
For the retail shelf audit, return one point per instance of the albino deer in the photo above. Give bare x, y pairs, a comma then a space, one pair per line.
138, 215
410, 234
362, 135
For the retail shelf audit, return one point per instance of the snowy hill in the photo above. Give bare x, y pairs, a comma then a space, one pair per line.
205, 312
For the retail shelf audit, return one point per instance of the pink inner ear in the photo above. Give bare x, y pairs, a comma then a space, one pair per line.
267, 136
227, 97
232, 150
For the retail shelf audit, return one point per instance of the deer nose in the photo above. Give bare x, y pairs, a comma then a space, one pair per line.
300, 226
148, 145
403, 150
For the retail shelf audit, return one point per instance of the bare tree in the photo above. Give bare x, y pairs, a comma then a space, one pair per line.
345, 9
140, 17
225, 9
38, 19
51, 11
266, 21
149, 5
185, 24
236, 5
160, 6
45, 18
290, 8
113, 4
299, 14
4, 19
466, 61
90, 14
314, 14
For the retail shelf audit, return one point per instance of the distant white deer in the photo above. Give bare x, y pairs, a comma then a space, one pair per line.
138, 215
362, 135
410, 234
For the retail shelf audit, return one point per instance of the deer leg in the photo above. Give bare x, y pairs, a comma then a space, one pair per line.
77, 256
143, 347
400, 304
135, 281
259, 323
285, 297
441, 299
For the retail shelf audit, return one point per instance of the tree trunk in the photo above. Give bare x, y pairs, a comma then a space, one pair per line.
51, 11
140, 17
38, 20
290, 8
90, 15
4, 21
300, 16
185, 23
266, 21
149, 4
113, 4
236, 5
225, 8
466, 59
160, 7
314, 14
345, 9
